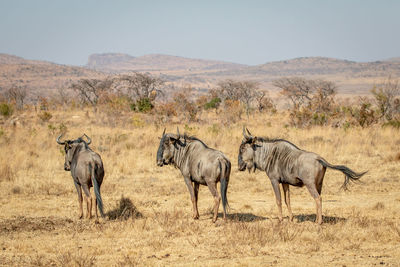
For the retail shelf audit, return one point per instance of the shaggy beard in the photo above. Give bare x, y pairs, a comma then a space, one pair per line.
252, 168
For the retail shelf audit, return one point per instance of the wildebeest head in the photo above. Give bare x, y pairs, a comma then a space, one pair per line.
165, 152
246, 152
70, 147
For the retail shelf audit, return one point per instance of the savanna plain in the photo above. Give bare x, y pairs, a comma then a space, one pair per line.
149, 210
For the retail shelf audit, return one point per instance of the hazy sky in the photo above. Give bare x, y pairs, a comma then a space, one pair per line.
248, 32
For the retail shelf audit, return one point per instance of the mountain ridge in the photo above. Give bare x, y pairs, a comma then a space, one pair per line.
153, 62
41, 76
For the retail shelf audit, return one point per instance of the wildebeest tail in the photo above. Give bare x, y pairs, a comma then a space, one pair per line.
96, 188
349, 174
225, 166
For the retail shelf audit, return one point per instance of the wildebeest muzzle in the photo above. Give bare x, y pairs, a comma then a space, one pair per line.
67, 167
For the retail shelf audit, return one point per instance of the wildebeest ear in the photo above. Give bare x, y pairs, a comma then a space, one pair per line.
254, 140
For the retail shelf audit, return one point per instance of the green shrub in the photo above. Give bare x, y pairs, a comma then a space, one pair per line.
214, 103
319, 119
6, 110
62, 128
392, 123
142, 105
52, 128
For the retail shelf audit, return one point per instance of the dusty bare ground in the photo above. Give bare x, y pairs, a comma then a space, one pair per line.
39, 222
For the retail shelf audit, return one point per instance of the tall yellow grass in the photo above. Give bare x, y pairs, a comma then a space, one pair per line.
39, 222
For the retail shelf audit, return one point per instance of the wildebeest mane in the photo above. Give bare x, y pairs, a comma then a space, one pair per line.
192, 138
275, 140
77, 141
278, 151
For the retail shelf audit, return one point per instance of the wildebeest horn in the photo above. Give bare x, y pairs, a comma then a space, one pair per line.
58, 140
244, 134
88, 138
163, 133
248, 132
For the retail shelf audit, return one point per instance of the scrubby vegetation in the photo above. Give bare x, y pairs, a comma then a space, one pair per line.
312, 102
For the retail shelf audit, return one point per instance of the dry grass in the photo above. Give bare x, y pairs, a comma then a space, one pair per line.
152, 224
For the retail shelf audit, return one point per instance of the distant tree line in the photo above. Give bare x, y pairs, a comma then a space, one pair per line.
312, 102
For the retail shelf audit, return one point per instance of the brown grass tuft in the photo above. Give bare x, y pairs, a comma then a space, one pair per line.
75, 259
124, 210
6, 172
16, 190
394, 157
379, 206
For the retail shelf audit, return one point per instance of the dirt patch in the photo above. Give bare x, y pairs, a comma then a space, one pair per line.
22, 223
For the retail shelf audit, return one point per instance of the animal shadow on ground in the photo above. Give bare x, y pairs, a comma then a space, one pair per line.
124, 210
243, 217
325, 219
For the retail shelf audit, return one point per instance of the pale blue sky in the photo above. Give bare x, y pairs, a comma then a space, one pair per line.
247, 32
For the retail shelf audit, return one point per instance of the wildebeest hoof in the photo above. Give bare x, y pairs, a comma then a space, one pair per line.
196, 217
81, 217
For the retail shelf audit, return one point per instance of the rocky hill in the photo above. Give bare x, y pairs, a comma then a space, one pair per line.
39, 77
44, 78
154, 62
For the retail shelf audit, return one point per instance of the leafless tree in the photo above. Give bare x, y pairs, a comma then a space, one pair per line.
64, 96
323, 96
297, 89
264, 102
17, 95
302, 92
139, 86
90, 90
244, 91
184, 103
386, 98
229, 89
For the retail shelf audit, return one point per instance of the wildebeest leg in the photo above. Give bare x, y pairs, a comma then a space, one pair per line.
88, 201
213, 189
277, 190
286, 193
196, 197
79, 190
320, 179
94, 199
318, 201
192, 197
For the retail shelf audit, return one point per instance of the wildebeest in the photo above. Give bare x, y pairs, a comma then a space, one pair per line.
198, 164
287, 164
87, 170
